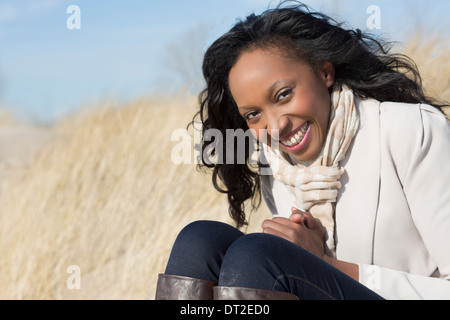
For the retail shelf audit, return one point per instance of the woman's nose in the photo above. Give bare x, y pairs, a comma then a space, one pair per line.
276, 124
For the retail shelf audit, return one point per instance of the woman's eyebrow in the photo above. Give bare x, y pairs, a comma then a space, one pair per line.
275, 84
246, 108
270, 91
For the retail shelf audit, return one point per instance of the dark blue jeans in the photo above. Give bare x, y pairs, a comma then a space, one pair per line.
216, 251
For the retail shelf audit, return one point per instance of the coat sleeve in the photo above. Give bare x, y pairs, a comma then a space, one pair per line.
426, 180
397, 285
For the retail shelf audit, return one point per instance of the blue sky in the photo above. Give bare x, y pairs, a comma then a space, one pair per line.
131, 48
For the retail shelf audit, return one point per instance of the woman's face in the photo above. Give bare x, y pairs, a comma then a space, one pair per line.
285, 97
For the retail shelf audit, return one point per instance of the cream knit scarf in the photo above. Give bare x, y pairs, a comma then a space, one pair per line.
314, 185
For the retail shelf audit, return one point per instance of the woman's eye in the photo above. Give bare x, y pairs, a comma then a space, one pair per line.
284, 94
251, 115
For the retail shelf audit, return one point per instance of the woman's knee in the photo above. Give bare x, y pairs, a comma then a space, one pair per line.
253, 248
199, 249
207, 235
248, 260
251, 242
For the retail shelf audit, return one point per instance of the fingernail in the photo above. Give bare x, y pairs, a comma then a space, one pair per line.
298, 215
293, 209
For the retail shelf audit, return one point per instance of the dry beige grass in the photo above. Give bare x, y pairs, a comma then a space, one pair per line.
105, 196
431, 54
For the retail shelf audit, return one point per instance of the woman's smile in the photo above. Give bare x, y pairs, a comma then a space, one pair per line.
297, 139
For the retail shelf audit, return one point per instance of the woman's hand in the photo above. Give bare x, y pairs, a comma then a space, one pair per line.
301, 228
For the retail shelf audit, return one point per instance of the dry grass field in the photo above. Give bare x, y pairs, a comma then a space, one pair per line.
102, 194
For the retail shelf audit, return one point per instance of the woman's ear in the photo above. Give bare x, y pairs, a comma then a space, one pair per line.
326, 73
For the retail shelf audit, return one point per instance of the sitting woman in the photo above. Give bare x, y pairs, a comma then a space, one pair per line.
353, 165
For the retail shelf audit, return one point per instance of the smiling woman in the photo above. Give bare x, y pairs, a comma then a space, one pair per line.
358, 141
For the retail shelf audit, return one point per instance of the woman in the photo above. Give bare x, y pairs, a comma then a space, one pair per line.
358, 177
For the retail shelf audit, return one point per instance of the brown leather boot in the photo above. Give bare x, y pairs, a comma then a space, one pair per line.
183, 288
237, 293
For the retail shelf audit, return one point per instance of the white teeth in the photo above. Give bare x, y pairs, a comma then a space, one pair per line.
298, 137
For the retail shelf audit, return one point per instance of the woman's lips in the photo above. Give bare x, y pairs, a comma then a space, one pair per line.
297, 139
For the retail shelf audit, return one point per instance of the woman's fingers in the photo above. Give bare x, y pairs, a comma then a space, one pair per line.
275, 232
275, 223
306, 218
297, 217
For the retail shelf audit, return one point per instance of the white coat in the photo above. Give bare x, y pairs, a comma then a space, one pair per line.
393, 210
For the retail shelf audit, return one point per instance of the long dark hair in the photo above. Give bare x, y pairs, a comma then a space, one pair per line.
361, 62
